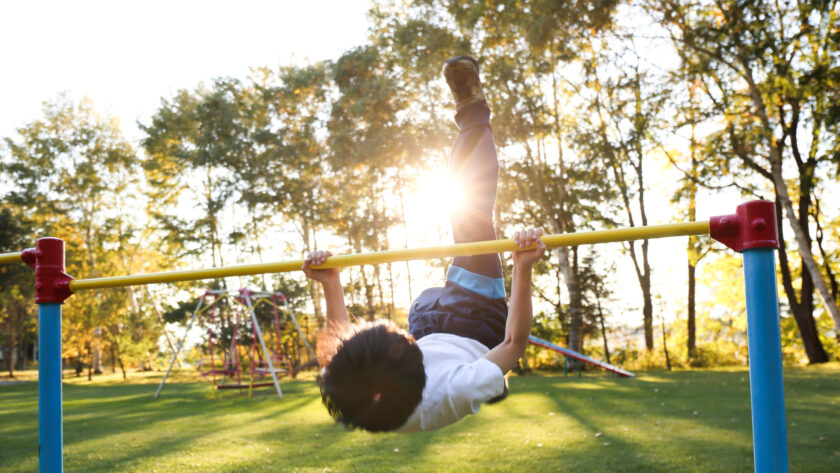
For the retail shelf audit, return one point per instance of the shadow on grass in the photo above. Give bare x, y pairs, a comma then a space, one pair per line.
126, 412
681, 421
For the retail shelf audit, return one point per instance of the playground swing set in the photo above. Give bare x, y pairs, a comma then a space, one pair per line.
262, 361
751, 231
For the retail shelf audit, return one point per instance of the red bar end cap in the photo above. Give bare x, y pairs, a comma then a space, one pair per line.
52, 284
29, 256
753, 225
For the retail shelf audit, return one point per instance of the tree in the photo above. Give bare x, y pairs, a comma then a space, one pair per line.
523, 47
769, 74
69, 170
624, 101
17, 315
190, 143
292, 171
597, 290
686, 195
414, 49
369, 142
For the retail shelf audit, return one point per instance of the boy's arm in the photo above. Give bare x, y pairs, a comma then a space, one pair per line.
518, 326
336, 310
330, 280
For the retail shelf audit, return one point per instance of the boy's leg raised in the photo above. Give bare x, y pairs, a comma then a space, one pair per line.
474, 164
472, 303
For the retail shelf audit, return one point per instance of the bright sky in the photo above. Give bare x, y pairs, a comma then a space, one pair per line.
126, 56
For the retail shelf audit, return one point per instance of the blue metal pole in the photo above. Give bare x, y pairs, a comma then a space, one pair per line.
765, 351
50, 435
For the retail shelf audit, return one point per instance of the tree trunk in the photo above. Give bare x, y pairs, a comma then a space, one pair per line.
562, 223
377, 273
89, 357
314, 294
665, 343
257, 247
832, 279
122, 366
369, 295
691, 344
693, 250
392, 313
97, 351
378, 278
351, 284
13, 346
10, 365
22, 359
693, 259
804, 317
401, 200
643, 271
638, 167
603, 332
783, 196
806, 291
647, 307
575, 303
79, 368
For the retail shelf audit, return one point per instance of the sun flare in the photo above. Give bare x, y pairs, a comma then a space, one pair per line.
437, 194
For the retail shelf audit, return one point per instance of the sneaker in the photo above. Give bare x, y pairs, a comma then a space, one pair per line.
461, 74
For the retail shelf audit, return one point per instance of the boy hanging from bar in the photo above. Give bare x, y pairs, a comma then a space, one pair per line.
462, 337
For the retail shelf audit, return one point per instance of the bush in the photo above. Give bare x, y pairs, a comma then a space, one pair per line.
709, 355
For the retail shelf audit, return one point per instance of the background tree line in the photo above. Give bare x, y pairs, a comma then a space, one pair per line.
601, 108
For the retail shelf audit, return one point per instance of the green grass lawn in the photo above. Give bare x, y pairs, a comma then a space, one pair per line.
658, 422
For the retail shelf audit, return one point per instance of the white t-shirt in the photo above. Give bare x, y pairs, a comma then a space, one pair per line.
458, 380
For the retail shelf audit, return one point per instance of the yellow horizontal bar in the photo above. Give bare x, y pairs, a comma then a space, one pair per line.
390, 256
10, 258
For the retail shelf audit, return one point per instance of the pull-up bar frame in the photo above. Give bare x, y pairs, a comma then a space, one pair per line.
752, 230
391, 256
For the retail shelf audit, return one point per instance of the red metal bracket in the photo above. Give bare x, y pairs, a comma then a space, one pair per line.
752, 226
52, 284
243, 294
29, 256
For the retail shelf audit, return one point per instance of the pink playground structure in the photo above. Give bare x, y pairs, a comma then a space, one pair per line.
261, 363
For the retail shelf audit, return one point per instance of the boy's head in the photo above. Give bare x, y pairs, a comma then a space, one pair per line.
375, 378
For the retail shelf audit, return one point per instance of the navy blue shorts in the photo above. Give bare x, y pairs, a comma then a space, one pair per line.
470, 305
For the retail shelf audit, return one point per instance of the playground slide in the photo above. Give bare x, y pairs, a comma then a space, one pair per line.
579, 356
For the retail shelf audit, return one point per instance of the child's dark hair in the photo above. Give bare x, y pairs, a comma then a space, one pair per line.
375, 378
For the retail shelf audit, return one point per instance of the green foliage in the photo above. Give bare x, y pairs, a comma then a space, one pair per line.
192, 138
180, 312
73, 174
17, 313
321, 155
828, 335
766, 74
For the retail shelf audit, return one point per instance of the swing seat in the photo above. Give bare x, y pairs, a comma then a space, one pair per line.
220, 370
226, 372
262, 370
266, 371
